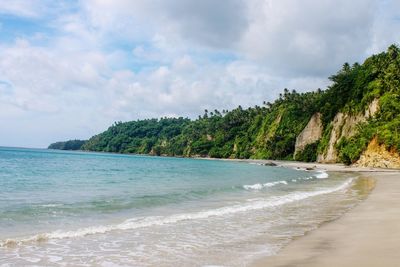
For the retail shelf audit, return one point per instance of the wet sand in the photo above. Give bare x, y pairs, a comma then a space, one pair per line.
367, 235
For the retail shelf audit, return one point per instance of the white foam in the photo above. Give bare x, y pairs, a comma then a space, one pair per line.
261, 186
31, 259
163, 220
322, 175
319, 175
53, 258
51, 205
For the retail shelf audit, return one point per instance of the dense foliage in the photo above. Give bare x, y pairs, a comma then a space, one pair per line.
270, 131
309, 153
378, 77
68, 145
259, 132
144, 136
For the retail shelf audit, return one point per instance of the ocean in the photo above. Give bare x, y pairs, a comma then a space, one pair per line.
60, 208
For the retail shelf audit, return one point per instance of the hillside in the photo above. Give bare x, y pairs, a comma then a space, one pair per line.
362, 105
68, 145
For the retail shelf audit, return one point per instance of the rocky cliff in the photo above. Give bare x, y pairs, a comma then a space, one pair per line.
345, 125
376, 155
310, 134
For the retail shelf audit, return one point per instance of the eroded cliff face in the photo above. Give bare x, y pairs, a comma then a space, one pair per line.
310, 134
345, 125
376, 155
372, 109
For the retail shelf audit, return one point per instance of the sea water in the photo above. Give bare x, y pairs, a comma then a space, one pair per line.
62, 208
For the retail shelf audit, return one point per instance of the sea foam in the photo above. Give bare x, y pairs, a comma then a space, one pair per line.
259, 186
149, 221
322, 175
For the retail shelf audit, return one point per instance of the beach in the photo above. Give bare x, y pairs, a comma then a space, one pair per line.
367, 235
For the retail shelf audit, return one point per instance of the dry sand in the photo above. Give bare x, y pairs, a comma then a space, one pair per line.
367, 235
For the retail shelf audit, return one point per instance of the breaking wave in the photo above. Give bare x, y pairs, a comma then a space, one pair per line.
259, 186
149, 221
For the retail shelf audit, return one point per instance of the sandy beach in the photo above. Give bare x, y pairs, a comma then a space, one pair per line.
367, 235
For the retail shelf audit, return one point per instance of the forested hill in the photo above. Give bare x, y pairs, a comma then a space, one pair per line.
68, 145
336, 124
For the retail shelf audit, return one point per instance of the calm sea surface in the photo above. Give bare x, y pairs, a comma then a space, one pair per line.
95, 209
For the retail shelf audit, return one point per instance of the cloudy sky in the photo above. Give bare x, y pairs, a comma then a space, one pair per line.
69, 69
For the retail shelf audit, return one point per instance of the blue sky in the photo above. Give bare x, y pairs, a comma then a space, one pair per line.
69, 69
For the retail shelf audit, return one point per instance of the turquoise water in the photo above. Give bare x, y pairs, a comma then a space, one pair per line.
75, 208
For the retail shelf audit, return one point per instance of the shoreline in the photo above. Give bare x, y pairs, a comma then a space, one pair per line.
329, 167
333, 167
366, 235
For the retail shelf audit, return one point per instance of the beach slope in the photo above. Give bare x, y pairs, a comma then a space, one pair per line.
368, 235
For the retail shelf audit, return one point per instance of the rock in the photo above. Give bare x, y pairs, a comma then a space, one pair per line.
378, 156
270, 163
310, 134
372, 109
345, 125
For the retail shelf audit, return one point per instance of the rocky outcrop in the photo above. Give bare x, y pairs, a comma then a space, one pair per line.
372, 109
310, 134
345, 125
376, 155
235, 148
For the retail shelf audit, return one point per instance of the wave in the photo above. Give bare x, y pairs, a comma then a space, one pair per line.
50, 205
321, 175
261, 186
143, 222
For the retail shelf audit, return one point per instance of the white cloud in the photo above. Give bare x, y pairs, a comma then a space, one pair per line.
386, 26
308, 37
32, 9
104, 61
20, 8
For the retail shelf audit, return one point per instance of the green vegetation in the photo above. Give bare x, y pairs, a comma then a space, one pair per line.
142, 137
309, 153
378, 77
68, 145
270, 131
240, 133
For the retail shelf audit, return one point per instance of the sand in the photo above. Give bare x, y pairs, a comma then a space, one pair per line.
367, 235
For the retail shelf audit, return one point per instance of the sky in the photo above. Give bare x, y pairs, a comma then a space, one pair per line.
69, 69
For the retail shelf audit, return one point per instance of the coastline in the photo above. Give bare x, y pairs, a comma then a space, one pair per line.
366, 235
329, 167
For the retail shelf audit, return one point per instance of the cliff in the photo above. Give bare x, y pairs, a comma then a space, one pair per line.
310, 134
344, 125
378, 156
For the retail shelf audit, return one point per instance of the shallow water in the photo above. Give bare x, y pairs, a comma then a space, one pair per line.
84, 209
